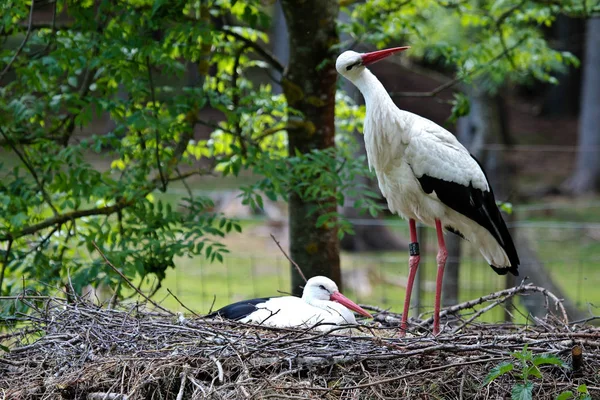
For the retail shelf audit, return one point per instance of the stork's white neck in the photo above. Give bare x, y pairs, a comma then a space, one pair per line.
377, 100
371, 88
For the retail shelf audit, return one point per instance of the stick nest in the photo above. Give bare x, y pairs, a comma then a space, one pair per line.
78, 350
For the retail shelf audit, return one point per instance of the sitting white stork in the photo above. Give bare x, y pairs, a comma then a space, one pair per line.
322, 306
426, 175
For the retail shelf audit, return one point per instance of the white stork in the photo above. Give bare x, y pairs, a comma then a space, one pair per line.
322, 306
426, 175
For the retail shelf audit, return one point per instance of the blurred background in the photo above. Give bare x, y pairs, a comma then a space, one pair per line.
179, 136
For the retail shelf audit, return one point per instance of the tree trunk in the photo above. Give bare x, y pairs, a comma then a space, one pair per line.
587, 173
563, 99
280, 40
309, 86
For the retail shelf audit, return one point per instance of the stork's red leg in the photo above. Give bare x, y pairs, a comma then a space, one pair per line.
413, 263
441, 262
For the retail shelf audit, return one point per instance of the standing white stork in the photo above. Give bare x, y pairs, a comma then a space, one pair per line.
426, 175
322, 306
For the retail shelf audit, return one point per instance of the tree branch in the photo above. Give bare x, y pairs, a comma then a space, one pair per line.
458, 79
108, 210
236, 97
5, 263
289, 259
25, 39
266, 54
157, 132
24, 160
129, 282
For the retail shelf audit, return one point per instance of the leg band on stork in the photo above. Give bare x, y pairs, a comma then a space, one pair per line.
413, 264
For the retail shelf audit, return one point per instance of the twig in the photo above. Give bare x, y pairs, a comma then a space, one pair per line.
31, 297
25, 39
105, 396
458, 79
212, 304
180, 303
31, 170
163, 179
5, 263
266, 54
397, 378
182, 386
236, 98
129, 282
219, 368
502, 293
290, 260
106, 210
481, 311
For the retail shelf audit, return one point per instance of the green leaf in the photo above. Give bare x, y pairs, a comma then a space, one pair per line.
460, 107
507, 207
565, 395
259, 201
4, 348
582, 389
532, 370
523, 355
522, 391
547, 359
498, 370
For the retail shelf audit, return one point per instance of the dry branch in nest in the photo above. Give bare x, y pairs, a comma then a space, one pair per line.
79, 350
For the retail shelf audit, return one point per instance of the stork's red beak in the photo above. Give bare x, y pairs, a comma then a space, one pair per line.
343, 300
374, 56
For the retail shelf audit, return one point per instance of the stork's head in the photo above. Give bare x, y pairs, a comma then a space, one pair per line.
350, 63
320, 288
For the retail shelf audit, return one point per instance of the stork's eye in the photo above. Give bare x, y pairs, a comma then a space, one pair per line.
349, 67
323, 287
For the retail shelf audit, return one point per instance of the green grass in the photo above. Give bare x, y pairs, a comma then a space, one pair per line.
572, 258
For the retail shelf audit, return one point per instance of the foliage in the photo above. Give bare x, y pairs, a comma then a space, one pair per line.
496, 42
127, 59
124, 59
525, 366
582, 393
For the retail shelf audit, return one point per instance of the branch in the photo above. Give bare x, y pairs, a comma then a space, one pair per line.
25, 39
266, 54
236, 98
157, 132
270, 132
129, 282
121, 204
5, 263
31, 171
62, 218
506, 294
458, 79
400, 377
292, 261
182, 305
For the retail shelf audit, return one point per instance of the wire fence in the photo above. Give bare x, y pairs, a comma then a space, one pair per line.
568, 250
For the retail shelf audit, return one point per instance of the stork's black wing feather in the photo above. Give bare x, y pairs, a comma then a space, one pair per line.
478, 205
239, 310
